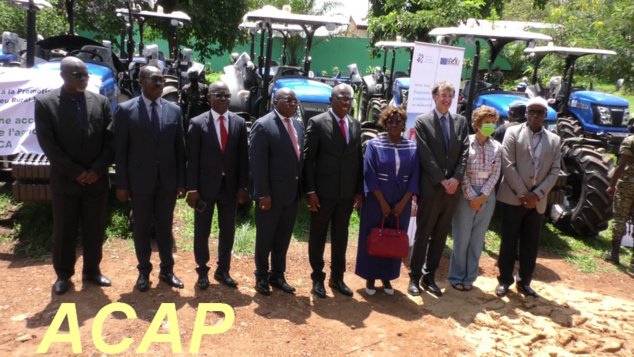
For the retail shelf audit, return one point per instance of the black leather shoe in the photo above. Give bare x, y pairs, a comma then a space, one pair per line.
319, 289
98, 279
60, 286
413, 288
281, 284
431, 287
262, 286
223, 277
501, 290
527, 290
171, 280
341, 286
203, 281
143, 282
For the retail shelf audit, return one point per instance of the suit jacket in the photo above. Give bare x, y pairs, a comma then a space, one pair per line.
205, 159
518, 167
275, 168
70, 147
438, 163
140, 157
332, 168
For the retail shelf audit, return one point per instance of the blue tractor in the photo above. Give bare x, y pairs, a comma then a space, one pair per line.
252, 86
590, 123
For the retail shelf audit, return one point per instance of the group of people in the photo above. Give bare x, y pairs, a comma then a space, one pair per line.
447, 178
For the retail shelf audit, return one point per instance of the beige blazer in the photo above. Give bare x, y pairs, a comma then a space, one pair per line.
518, 167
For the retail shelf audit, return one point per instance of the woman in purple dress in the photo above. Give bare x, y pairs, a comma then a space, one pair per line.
390, 178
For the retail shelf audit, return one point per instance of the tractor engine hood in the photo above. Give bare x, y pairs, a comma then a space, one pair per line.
307, 90
600, 98
501, 103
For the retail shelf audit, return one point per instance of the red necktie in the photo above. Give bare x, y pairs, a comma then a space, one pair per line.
291, 133
343, 129
223, 132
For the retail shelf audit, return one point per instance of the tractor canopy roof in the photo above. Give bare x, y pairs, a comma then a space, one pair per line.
254, 27
176, 15
488, 34
392, 45
568, 51
40, 4
271, 14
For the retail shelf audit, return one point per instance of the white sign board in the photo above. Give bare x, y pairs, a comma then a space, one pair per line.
18, 89
431, 64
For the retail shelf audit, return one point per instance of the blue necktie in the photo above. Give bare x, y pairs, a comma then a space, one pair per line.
445, 131
154, 119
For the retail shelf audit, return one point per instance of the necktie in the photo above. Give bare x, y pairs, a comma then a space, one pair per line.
154, 119
291, 133
445, 130
223, 133
343, 129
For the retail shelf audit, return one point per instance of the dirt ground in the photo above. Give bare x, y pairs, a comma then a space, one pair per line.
577, 313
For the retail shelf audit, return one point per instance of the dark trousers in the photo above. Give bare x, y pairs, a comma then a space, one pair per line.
337, 214
525, 225
432, 226
89, 207
274, 229
160, 205
227, 205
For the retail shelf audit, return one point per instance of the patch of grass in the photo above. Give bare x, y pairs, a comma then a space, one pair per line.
33, 230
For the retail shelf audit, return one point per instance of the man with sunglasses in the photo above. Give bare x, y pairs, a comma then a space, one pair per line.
334, 184
149, 149
531, 159
73, 128
217, 174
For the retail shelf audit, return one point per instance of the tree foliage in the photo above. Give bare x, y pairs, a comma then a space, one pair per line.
49, 22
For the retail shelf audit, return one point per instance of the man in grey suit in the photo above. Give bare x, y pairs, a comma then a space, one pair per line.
149, 149
334, 184
442, 140
531, 159
276, 144
217, 174
73, 128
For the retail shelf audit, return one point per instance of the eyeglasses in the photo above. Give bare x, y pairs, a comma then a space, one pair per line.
289, 101
535, 112
344, 99
155, 79
394, 122
221, 95
79, 75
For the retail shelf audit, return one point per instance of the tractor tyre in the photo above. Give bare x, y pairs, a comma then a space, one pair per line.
367, 134
568, 127
587, 208
375, 107
364, 97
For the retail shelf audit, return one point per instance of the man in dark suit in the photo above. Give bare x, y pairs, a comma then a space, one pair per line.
531, 158
334, 184
276, 144
73, 128
217, 174
442, 140
149, 149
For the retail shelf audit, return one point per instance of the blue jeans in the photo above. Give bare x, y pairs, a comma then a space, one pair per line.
468, 229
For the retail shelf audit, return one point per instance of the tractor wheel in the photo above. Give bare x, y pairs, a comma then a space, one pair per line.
587, 208
364, 97
375, 107
367, 134
568, 127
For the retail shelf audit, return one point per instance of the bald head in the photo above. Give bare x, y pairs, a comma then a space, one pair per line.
341, 99
219, 97
286, 102
151, 81
75, 75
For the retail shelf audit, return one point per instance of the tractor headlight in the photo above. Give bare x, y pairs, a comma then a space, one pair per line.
626, 115
605, 118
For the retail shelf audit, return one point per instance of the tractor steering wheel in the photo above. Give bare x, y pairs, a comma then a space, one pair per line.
92, 54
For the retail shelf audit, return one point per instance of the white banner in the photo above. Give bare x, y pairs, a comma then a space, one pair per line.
18, 89
431, 64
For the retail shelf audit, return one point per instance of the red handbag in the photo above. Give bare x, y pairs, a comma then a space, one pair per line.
387, 242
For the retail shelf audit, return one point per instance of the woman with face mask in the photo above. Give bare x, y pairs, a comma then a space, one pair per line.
477, 202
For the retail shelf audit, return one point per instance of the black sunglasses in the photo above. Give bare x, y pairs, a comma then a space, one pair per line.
79, 75
221, 95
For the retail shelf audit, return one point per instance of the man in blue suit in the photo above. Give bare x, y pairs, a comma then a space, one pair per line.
149, 149
217, 174
277, 142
